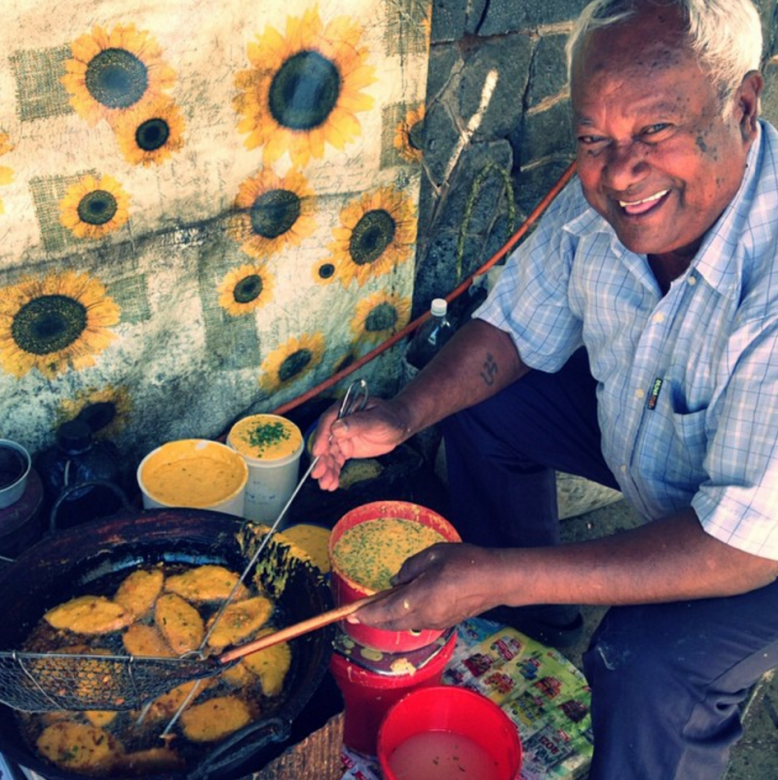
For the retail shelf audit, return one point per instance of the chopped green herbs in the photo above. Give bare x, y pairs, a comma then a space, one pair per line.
267, 434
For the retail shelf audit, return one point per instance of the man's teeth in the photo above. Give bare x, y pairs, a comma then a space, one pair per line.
626, 204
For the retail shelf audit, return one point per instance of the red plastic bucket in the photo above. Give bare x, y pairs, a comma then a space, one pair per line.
345, 589
368, 695
448, 732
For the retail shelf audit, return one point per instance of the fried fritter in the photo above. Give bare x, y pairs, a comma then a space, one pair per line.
206, 583
89, 615
78, 747
140, 639
238, 676
240, 620
179, 623
215, 718
138, 591
270, 665
168, 704
100, 718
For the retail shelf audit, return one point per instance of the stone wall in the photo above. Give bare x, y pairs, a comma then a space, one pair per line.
497, 128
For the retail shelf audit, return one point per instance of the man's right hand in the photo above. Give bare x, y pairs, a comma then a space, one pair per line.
374, 431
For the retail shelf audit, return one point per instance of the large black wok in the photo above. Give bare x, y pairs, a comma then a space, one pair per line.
76, 560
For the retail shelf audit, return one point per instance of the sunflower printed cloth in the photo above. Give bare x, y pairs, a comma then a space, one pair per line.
204, 211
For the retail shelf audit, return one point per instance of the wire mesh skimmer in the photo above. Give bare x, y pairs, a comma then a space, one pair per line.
42, 682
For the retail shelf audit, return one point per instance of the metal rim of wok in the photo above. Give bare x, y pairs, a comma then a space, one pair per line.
65, 563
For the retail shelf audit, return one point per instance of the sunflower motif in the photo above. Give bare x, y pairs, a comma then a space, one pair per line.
54, 322
110, 72
380, 316
6, 174
245, 289
409, 135
150, 132
291, 361
304, 89
274, 213
93, 208
376, 233
105, 410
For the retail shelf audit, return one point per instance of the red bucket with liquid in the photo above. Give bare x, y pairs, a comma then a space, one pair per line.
444, 732
346, 588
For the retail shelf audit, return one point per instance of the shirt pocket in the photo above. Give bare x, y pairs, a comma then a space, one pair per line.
690, 444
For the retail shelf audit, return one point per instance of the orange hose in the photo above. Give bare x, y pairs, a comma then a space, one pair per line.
455, 293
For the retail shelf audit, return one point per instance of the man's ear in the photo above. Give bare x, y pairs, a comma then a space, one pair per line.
747, 98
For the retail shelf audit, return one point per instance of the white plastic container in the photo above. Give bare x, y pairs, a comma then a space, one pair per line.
194, 473
16, 464
271, 446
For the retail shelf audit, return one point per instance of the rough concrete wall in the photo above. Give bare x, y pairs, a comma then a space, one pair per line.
497, 130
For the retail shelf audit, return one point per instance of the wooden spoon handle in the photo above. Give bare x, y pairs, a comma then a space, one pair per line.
298, 629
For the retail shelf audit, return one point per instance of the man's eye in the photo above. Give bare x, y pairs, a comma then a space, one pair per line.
654, 129
590, 140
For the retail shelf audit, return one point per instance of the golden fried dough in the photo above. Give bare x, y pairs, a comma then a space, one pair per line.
312, 539
179, 623
240, 620
138, 591
206, 583
89, 615
143, 640
100, 717
237, 676
215, 718
168, 704
78, 747
270, 665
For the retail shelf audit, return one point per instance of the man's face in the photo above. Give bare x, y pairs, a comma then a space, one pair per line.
655, 157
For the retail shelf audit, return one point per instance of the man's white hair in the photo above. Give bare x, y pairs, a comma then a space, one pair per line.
726, 35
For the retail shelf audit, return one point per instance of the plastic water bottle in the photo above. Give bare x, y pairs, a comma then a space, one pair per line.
431, 335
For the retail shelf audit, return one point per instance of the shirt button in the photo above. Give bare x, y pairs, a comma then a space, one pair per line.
640, 393
692, 280
659, 318
623, 469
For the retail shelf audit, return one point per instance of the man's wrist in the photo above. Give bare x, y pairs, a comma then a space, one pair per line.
402, 414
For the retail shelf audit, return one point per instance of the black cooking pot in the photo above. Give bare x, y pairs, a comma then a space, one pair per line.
76, 560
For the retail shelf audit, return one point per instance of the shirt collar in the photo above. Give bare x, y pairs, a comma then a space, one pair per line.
717, 260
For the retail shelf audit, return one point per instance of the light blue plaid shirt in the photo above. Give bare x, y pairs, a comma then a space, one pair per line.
688, 382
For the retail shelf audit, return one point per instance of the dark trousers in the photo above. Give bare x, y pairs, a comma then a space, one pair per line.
666, 679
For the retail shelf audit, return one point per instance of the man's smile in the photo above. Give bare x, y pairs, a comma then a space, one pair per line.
644, 205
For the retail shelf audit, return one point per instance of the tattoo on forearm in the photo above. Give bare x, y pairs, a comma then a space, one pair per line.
490, 370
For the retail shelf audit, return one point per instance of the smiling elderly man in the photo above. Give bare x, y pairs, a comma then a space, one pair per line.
633, 340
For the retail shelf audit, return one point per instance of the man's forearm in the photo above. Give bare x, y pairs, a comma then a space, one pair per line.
479, 361
672, 559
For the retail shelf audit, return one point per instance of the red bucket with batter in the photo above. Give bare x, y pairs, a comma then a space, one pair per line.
347, 589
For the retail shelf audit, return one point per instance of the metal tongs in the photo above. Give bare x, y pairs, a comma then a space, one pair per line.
354, 400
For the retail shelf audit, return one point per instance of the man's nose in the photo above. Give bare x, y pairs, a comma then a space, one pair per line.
625, 165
